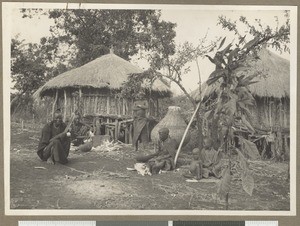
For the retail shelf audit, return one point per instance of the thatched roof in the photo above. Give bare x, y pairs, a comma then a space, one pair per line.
274, 80
108, 71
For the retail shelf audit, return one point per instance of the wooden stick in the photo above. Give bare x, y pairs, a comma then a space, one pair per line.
70, 123
80, 106
108, 105
96, 104
65, 105
185, 133
116, 137
73, 169
54, 103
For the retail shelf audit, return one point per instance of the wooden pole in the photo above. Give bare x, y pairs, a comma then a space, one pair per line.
270, 112
130, 133
126, 107
123, 106
117, 106
199, 121
65, 105
157, 107
80, 104
126, 133
108, 105
284, 113
116, 137
54, 103
96, 104
280, 112
185, 133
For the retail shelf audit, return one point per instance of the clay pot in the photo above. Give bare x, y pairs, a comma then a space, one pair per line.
175, 123
85, 147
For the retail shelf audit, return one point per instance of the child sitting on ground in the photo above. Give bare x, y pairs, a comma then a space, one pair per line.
195, 168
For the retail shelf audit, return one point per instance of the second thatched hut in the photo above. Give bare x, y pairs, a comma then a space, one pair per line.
271, 115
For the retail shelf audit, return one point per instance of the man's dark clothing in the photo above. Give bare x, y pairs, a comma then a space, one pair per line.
57, 148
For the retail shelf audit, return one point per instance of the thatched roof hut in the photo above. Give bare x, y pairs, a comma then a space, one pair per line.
274, 80
271, 92
108, 71
94, 85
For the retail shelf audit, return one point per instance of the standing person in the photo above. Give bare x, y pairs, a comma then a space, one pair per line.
54, 144
141, 131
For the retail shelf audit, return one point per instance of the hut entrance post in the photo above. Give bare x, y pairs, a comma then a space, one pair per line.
65, 105
80, 106
123, 106
108, 106
54, 103
96, 104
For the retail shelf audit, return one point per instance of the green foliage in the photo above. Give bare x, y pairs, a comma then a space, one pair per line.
247, 182
246, 175
138, 86
249, 148
232, 79
31, 66
243, 163
224, 184
93, 32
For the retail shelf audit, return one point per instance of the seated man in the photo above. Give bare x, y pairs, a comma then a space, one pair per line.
210, 159
79, 130
54, 143
163, 159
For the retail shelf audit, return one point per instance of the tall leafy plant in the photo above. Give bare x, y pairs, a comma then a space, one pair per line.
231, 80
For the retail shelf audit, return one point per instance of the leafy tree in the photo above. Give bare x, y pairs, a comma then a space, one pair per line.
31, 66
232, 79
80, 36
91, 33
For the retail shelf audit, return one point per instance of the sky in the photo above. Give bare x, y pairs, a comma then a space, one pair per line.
193, 23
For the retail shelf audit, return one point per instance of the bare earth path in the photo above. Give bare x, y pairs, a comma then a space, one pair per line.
99, 180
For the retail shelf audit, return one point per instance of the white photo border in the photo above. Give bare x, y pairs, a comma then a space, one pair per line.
6, 31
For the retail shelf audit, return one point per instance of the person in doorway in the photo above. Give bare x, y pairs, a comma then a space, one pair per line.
54, 144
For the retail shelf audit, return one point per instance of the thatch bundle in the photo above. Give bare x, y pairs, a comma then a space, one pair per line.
175, 123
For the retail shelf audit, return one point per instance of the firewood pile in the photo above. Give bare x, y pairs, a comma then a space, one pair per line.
109, 146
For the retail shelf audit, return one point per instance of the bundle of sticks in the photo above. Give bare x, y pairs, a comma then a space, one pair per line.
108, 146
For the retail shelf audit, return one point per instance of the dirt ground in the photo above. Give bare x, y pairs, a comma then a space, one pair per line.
99, 180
